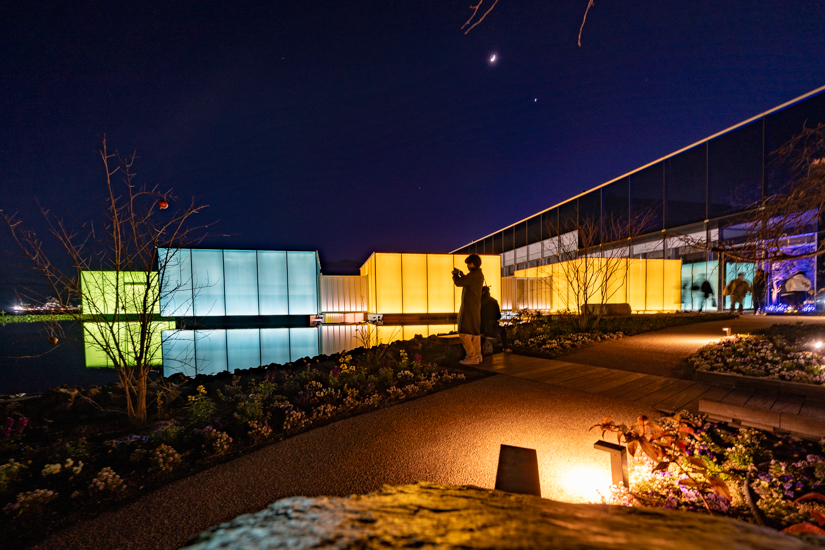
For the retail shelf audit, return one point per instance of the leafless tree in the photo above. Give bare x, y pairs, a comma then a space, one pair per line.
475, 18
592, 263
114, 272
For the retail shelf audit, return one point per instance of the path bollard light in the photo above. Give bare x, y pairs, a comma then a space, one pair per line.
618, 461
727, 331
818, 345
518, 471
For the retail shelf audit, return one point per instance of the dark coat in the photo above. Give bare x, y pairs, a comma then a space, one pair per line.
490, 314
469, 316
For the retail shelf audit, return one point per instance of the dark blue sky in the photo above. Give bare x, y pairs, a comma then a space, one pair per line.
350, 127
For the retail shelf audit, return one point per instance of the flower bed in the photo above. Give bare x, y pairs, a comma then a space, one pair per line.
51, 471
558, 344
705, 467
762, 356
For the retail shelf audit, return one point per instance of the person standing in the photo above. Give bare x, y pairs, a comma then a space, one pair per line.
737, 289
798, 287
707, 293
490, 314
469, 316
760, 285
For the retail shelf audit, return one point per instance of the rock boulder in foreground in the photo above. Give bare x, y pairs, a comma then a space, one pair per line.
427, 515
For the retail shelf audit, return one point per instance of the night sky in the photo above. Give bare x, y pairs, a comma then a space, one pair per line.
351, 127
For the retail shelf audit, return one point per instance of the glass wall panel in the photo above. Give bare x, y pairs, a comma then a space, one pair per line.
616, 200
534, 229
520, 234
780, 127
550, 224
175, 266
179, 352
410, 331
646, 192
685, 182
440, 287
274, 346
92, 337
111, 293
732, 270
458, 263
568, 216
508, 239
414, 282
590, 216
672, 288
488, 245
498, 239
210, 350
243, 346
388, 283
735, 170
207, 281
303, 342
302, 277
273, 290
240, 267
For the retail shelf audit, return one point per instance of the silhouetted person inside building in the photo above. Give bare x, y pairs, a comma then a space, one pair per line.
737, 289
760, 286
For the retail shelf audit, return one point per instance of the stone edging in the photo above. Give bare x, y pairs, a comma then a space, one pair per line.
782, 387
766, 420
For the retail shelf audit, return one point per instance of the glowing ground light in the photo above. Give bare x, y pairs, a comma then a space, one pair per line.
727, 331
586, 484
818, 345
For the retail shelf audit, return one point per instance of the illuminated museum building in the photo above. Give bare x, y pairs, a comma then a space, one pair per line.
691, 195
231, 309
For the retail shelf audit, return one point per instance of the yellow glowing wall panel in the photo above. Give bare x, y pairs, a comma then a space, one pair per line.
491, 266
672, 285
414, 282
440, 287
388, 283
389, 334
435, 330
410, 331
655, 285
636, 284
458, 263
617, 286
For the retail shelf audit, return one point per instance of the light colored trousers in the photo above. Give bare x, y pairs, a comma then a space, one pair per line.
472, 345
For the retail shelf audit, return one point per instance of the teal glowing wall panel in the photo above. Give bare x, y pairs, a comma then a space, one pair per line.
207, 283
302, 277
731, 272
693, 275
176, 282
274, 346
210, 351
179, 352
243, 348
240, 269
303, 342
273, 291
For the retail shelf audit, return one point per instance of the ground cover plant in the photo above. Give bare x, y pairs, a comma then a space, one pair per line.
683, 462
551, 336
782, 352
66, 453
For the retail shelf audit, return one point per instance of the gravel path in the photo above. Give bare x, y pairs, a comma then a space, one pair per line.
449, 437
665, 352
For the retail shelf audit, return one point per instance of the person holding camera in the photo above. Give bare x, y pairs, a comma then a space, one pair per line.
469, 316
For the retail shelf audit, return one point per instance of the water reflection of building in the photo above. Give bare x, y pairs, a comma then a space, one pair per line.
697, 194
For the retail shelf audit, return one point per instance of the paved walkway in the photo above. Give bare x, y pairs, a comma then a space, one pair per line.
449, 437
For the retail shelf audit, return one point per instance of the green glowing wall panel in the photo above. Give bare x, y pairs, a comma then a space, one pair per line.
215, 283
112, 292
121, 338
273, 290
193, 352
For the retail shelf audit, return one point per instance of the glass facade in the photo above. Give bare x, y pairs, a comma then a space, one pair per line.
218, 283
193, 352
700, 190
120, 338
118, 292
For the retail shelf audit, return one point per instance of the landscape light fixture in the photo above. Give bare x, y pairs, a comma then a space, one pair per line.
518, 471
618, 461
727, 331
818, 345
